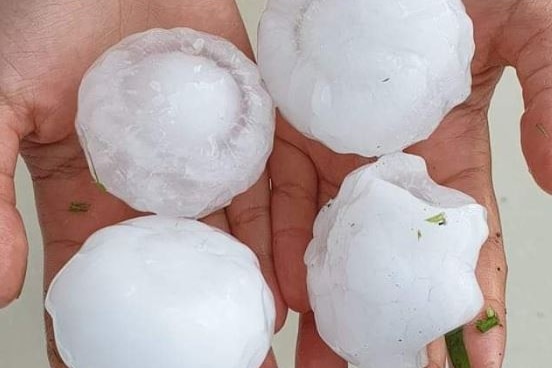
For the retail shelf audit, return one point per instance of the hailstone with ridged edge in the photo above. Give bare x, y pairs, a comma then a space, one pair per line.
391, 266
175, 122
162, 292
370, 76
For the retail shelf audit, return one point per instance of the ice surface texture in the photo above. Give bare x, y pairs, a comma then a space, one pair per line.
162, 292
175, 122
370, 77
386, 275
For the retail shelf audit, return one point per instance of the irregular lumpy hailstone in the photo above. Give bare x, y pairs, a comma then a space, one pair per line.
175, 122
371, 77
392, 263
162, 292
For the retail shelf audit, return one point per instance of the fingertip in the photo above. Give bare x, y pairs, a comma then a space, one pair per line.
437, 354
297, 300
13, 254
290, 270
8, 296
279, 303
270, 360
281, 317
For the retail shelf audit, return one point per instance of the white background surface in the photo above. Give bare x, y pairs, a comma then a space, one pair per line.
526, 215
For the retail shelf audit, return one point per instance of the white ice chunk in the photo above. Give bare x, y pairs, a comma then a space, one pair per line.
175, 122
162, 292
369, 77
392, 263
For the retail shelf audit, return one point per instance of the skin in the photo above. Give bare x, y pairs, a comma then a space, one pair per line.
46, 46
305, 174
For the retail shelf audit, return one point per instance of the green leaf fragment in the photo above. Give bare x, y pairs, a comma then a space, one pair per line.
456, 349
439, 219
79, 207
492, 320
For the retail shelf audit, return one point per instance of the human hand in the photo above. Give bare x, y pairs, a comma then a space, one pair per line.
305, 175
45, 47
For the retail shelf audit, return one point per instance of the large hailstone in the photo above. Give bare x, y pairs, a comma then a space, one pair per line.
391, 265
369, 77
175, 122
162, 292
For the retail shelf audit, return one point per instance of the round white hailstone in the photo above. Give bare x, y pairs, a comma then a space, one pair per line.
162, 292
175, 122
391, 266
371, 77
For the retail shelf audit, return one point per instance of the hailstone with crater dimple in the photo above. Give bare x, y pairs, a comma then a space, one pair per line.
162, 292
175, 122
392, 263
369, 77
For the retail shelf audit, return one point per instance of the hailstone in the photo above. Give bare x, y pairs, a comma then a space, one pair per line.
175, 122
162, 292
369, 77
392, 263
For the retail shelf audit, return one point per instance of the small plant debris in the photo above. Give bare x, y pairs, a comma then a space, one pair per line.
491, 321
456, 349
439, 219
79, 207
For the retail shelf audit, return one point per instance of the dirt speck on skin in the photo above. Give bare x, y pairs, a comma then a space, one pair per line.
79, 207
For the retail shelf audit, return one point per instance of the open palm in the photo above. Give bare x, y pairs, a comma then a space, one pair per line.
45, 47
305, 174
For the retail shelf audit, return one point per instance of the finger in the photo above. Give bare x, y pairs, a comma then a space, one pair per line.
312, 352
534, 68
13, 242
249, 218
458, 156
270, 361
294, 206
437, 354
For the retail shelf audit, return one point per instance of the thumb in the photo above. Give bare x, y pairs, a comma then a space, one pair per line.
13, 242
534, 68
